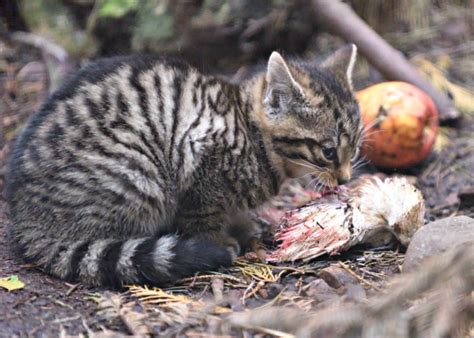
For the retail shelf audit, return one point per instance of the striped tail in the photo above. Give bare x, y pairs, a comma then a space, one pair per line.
158, 261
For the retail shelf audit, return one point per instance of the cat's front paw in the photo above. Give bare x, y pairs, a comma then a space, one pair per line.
244, 230
233, 247
228, 242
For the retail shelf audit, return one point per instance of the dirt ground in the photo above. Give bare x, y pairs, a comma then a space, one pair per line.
47, 306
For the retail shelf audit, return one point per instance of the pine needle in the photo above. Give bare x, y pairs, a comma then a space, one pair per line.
191, 281
156, 296
259, 271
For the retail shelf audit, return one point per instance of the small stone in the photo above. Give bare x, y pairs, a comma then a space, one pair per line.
336, 276
437, 237
343, 281
320, 291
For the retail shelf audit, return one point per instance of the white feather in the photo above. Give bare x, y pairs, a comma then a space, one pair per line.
365, 214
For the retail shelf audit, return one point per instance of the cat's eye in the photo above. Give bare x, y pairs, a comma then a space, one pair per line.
329, 153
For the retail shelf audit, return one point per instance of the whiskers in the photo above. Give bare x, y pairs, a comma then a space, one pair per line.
371, 125
316, 180
369, 137
306, 164
361, 161
321, 182
367, 132
319, 176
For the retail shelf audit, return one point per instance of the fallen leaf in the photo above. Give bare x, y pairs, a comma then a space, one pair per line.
11, 283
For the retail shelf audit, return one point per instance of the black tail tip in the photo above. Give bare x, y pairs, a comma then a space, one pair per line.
197, 255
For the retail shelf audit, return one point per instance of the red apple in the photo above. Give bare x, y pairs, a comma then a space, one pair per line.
401, 124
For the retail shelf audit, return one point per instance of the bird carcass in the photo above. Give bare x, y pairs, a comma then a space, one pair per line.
371, 211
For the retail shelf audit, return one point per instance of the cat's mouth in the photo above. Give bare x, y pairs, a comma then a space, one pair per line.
324, 188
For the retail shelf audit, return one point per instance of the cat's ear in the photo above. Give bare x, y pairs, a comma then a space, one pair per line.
341, 63
281, 86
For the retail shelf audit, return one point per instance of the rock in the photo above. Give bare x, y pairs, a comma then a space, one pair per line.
343, 281
336, 276
436, 237
320, 291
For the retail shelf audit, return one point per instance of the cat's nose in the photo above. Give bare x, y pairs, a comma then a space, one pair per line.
344, 173
342, 180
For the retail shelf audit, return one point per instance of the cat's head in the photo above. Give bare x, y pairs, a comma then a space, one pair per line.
312, 116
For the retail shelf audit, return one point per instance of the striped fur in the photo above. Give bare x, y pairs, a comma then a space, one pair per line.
136, 169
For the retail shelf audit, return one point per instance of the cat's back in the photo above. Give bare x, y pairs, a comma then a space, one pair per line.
121, 114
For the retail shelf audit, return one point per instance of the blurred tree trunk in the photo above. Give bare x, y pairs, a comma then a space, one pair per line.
393, 15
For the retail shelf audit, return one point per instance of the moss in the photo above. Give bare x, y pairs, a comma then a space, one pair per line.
52, 20
155, 25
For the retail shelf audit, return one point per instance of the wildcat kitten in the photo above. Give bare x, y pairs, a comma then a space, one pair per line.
137, 170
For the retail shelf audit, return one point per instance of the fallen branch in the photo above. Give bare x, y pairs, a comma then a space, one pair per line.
58, 60
339, 18
41, 43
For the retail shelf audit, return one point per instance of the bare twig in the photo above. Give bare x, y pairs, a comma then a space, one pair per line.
196, 278
252, 290
359, 278
112, 306
217, 286
271, 332
57, 59
72, 288
41, 43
